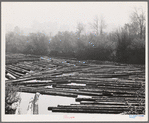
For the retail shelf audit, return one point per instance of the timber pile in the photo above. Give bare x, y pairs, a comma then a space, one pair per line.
110, 88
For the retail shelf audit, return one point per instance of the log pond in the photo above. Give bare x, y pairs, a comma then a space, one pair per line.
77, 86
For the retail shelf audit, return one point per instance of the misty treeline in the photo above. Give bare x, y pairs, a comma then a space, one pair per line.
125, 45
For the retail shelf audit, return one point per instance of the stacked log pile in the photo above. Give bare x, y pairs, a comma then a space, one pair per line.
110, 88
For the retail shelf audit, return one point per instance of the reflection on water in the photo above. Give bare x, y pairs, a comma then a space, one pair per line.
44, 102
76, 84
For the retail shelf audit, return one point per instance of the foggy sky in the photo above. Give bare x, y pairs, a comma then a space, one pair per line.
65, 15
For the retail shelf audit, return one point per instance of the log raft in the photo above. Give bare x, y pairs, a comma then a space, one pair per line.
112, 88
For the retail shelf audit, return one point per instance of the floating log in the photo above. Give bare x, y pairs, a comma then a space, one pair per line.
100, 100
23, 67
102, 103
70, 86
109, 91
111, 103
8, 76
67, 91
112, 89
85, 111
14, 68
116, 88
126, 108
84, 99
116, 84
129, 95
34, 82
96, 82
91, 108
131, 100
94, 105
19, 80
53, 72
39, 77
17, 73
99, 80
109, 100
101, 106
104, 75
120, 98
47, 92
35, 85
12, 73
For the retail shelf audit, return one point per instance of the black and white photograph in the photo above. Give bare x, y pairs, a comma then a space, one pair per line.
74, 61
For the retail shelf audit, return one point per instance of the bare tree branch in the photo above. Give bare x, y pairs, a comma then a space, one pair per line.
98, 24
138, 21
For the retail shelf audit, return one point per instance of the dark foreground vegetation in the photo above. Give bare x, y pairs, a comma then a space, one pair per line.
111, 88
11, 98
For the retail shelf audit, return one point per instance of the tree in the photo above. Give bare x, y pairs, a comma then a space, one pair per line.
95, 25
138, 21
98, 24
123, 41
80, 28
102, 24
